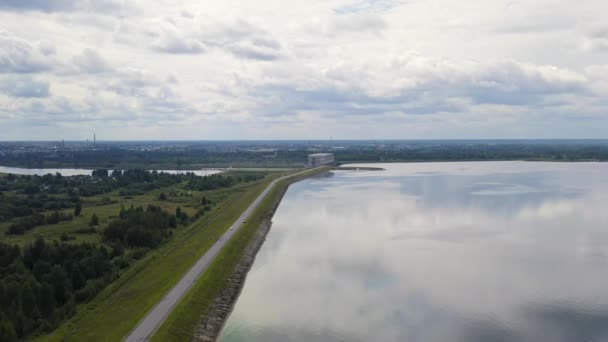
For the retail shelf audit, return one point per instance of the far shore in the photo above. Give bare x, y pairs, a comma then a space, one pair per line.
471, 160
357, 168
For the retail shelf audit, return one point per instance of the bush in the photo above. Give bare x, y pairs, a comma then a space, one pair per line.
57, 217
89, 230
139, 253
121, 262
77, 209
91, 288
25, 224
94, 221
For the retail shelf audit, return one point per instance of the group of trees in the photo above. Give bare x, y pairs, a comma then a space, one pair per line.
55, 192
21, 206
139, 227
217, 181
26, 223
40, 194
41, 283
102, 181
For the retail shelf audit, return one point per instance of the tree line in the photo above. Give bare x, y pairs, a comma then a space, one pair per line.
21, 206
114, 157
217, 181
101, 181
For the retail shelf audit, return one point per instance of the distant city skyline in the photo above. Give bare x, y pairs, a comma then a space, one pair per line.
346, 69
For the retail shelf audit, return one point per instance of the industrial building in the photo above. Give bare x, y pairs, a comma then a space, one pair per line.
318, 159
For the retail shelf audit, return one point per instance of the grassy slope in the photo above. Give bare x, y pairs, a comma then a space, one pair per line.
181, 323
113, 313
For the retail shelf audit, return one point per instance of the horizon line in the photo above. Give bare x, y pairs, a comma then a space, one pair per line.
309, 140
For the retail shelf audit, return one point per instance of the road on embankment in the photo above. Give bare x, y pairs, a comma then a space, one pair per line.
153, 319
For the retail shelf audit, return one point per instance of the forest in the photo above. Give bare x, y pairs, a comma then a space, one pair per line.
41, 283
43, 280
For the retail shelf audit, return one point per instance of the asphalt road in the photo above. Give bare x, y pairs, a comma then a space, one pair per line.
148, 325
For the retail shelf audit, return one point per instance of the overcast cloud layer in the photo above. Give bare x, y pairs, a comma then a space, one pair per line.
355, 69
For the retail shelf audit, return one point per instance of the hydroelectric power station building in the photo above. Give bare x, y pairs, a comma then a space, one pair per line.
318, 159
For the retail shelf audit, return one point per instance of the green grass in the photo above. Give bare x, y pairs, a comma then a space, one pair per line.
116, 310
181, 323
105, 212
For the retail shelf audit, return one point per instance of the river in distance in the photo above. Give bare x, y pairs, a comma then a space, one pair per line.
87, 172
466, 251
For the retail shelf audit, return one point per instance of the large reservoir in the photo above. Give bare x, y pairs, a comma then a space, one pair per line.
471, 251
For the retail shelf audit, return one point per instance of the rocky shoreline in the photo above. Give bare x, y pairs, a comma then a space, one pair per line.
212, 321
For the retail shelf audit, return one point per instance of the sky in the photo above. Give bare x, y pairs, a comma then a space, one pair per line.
315, 69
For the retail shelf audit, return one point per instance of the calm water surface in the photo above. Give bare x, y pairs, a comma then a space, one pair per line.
87, 172
490, 251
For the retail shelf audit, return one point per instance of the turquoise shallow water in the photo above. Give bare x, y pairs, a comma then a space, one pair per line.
476, 251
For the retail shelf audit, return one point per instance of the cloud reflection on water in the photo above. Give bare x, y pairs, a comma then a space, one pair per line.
430, 252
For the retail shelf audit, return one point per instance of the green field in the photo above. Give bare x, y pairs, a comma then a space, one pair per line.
181, 323
116, 310
106, 207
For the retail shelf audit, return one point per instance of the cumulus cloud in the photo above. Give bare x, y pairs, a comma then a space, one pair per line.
46, 48
415, 85
24, 86
20, 56
172, 41
596, 40
244, 40
381, 68
358, 23
90, 61
66, 5
259, 49
133, 82
237, 37
367, 6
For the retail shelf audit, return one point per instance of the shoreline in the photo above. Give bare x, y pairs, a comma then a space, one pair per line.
228, 167
534, 160
213, 320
